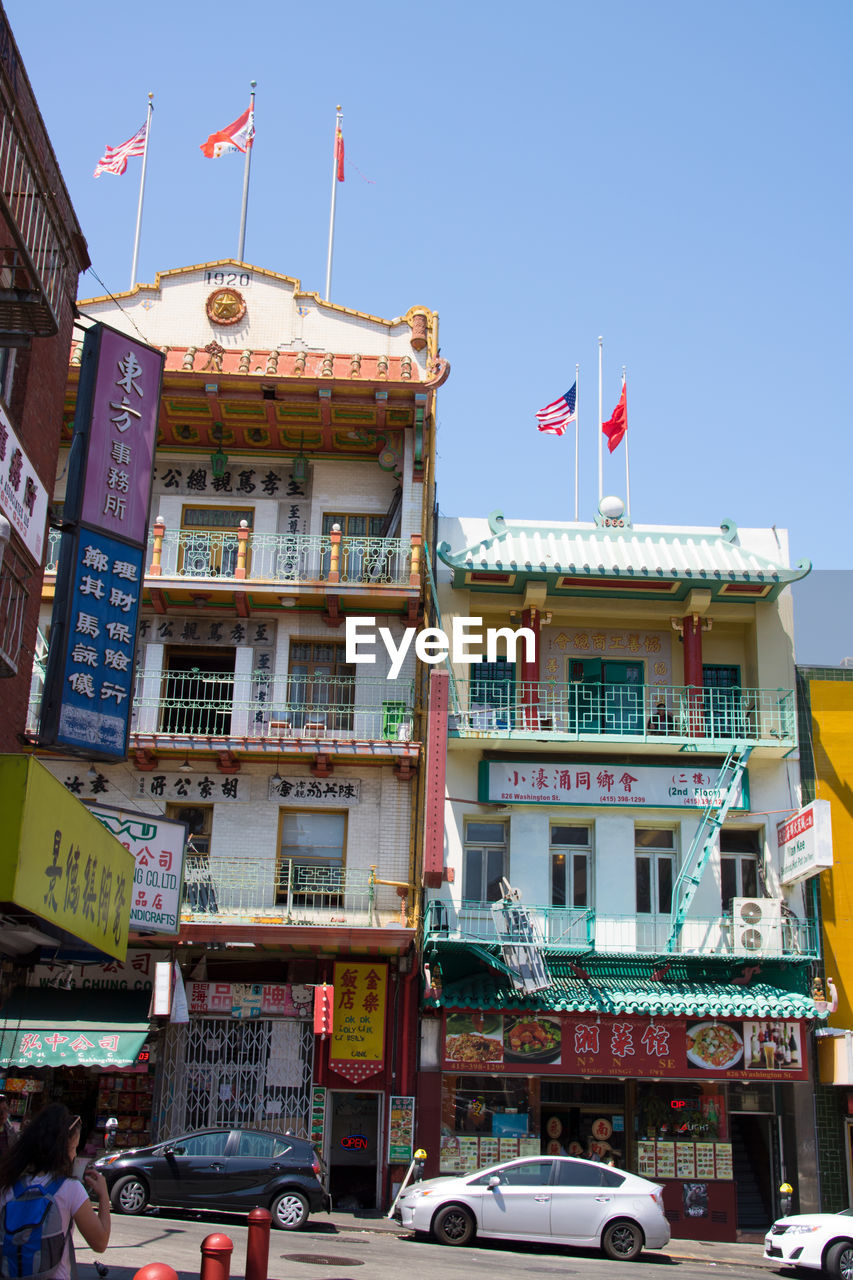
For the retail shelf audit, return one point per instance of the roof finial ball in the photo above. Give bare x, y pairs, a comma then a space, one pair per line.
611, 508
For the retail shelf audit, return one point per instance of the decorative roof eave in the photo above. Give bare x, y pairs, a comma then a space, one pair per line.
582, 558
622, 997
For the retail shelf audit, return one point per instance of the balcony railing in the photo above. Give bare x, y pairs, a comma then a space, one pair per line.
35, 273
281, 558
581, 929
641, 713
187, 704
287, 892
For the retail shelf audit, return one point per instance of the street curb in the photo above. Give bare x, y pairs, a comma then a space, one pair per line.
380, 1227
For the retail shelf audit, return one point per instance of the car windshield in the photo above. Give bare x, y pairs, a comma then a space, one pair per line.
845, 1213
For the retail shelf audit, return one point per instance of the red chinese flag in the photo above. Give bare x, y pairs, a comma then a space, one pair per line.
617, 424
339, 153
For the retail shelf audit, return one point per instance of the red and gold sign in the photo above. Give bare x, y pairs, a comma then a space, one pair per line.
358, 1039
225, 306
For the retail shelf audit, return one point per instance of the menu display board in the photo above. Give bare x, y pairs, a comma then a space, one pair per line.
685, 1159
646, 1165
665, 1159
723, 1158
705, 1164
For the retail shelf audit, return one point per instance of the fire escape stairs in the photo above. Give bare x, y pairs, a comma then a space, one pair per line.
714, 815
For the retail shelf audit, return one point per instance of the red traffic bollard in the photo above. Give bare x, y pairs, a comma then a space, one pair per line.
216, 1253
156, 1271
258, 1246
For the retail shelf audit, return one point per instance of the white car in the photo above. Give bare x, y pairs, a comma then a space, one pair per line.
822, 1241
551, 1199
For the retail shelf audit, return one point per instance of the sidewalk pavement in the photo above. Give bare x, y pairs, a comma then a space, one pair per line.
745, 1252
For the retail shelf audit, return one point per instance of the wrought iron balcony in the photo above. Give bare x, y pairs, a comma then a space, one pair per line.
192, 704
36, 272
582, 930
285, 892
280, 558
261, 704
661, 714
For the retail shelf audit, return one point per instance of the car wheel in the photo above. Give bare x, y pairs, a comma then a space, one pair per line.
622, 1241
453, 1225
129, 1195
289, 1211
839, 1260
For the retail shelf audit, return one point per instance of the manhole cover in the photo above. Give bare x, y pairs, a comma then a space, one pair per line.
323, 1259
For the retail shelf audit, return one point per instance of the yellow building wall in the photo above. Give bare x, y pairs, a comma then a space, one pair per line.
832, 743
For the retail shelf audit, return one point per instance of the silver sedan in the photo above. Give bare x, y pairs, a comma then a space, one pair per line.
551, 1199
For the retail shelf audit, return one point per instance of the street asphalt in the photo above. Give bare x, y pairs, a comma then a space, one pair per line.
175, 1238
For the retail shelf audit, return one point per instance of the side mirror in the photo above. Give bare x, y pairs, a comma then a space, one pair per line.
493, 1182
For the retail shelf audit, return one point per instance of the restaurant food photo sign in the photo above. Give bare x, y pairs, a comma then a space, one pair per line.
556, 1044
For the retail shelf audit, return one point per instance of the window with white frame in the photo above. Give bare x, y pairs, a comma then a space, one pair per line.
485, 861
740, 850
571, 848
654, 869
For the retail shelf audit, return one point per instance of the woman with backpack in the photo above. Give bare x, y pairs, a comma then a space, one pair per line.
40, 1202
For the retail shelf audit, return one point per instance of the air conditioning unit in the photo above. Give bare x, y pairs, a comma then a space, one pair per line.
757, 926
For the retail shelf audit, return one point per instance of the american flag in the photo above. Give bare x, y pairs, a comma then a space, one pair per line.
555, 417
114, 159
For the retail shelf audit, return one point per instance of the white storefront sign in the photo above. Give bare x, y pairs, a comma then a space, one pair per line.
158, 848
23, 497
805, 842
610, 785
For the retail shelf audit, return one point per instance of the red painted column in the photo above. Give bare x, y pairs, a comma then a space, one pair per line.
691, 629
216, 1253
436, 771
530, 671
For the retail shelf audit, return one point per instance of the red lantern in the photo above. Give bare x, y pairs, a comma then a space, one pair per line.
324, 1003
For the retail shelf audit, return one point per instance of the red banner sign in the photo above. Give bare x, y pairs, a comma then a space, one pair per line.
551, 1044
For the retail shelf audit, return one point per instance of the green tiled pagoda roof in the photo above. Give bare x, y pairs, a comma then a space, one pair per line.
694, 558
628, 988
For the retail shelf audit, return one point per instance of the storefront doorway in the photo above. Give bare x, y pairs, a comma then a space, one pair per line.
352, 1157
752, 1165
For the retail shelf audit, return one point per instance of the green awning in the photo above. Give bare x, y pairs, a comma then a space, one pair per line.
684, 990
43, 1027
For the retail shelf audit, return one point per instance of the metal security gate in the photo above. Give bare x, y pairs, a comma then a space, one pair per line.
219, 1072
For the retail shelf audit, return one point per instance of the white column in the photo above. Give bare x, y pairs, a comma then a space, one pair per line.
148, 715
241, 716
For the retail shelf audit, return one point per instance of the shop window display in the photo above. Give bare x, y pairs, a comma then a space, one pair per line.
682, 1131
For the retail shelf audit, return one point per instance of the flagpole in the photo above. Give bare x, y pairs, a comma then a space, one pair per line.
577, 436
141, 193
338, 119
600, 424
627, 472
246, 168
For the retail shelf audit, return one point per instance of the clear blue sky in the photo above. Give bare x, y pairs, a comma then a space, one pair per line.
674, 176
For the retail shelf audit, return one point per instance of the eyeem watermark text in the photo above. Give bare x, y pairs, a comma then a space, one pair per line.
434, 645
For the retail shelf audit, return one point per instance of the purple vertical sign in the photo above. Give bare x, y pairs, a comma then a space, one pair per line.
122, 437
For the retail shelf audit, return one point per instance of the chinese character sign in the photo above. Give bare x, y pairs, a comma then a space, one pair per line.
158, 850
23, 497
358, 1040
613, 786
91, 705
65, 868
122, 434
619, 1046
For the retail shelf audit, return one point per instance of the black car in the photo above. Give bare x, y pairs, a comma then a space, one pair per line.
231, 1169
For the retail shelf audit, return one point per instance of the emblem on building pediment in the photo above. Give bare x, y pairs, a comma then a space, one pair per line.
225, 306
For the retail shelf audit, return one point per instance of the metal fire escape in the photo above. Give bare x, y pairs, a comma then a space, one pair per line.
723, 796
